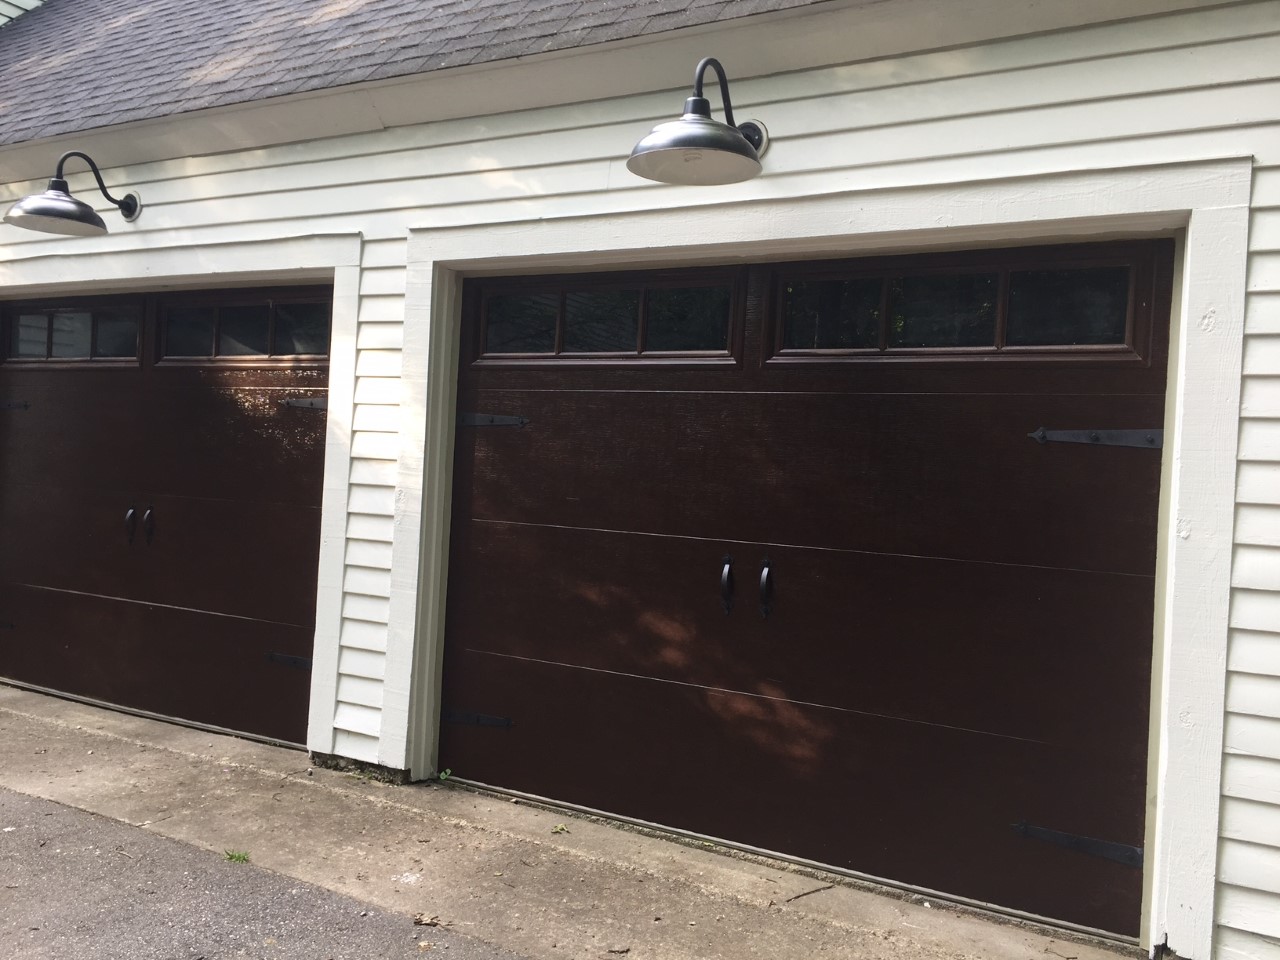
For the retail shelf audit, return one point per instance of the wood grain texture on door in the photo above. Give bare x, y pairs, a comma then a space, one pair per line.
944, 680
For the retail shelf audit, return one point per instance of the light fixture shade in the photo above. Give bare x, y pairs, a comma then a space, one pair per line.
695, 150
56, 211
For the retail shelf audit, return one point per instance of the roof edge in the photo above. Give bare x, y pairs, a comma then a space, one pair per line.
827, 34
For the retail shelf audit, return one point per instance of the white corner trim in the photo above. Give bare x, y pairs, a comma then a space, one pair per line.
408, 736
426, 478
333, 508
1209, 199
1202, 422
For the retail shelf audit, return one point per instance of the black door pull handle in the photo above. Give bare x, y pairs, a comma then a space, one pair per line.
130, 524
149, 524
766, 590
726, 583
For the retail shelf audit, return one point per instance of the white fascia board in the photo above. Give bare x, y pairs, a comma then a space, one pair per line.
840, 32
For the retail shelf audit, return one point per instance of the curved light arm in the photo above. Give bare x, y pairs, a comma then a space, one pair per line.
714, 64
698, 150
128, 206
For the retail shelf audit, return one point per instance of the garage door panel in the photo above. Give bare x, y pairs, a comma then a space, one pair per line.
60, 536
619, 460
240, 674
1041, 654
950, 688
642, 605
67, 641
921, 475
758, 369
955, 477
1014, 651
268, 551
60, 418
208, 614
242, 443
931, 809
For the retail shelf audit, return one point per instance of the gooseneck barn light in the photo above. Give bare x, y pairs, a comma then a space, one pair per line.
697, 149
57, 211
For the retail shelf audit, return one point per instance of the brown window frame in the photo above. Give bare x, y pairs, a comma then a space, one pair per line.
477, 291
1138, 256
1141, 257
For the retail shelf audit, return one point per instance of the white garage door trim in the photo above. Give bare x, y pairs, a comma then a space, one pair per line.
1209, 199
320, 257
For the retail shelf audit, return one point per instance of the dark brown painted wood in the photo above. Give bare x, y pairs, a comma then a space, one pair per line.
200, 620
902, 473
891, 634
922, 805
226, 671
960, 629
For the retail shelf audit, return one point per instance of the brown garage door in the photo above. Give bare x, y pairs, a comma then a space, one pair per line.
775, 559
160, 494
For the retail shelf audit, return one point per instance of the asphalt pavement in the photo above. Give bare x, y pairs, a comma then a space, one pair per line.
77, 885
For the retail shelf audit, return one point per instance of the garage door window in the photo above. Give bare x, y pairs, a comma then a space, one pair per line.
1024, 306
841, 314
943, 310
1068, 306
265, 329
626, 318
72, 333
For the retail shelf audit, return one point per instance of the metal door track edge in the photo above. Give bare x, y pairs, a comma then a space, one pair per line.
879, 885
150, 715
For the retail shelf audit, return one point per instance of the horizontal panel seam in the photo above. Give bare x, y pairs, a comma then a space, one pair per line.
802, 546
163, 606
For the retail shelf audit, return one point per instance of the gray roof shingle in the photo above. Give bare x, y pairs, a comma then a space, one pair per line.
115, 62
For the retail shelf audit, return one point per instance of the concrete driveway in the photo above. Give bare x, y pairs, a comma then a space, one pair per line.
484, 871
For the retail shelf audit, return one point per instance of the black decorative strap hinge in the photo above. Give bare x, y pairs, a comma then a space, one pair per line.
465, 719
15, 405
1152, 439
311, 403
298, 663
490, 420
1107, 849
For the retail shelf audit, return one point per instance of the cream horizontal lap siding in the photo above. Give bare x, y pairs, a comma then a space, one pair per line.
1249, 862
1167, 89
357, 710
1157, 91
